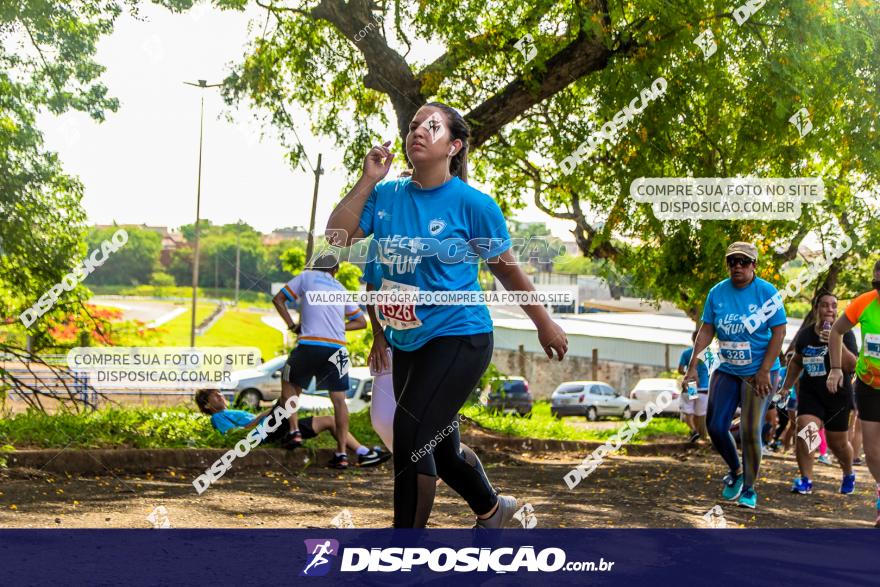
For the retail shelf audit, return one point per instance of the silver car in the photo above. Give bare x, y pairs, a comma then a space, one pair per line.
251, 386
591, 399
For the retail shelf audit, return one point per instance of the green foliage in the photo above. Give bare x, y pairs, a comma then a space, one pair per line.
542, 425
349, 275
671, 374
723, 116
161, 279
142, 427
131, 264
359, 344
163, 283
182, 427
293, 260
492, 372
577, 264
217, 250
111, 428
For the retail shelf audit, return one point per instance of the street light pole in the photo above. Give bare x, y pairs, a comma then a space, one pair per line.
237, 258
310, 245
202, 84
195, 275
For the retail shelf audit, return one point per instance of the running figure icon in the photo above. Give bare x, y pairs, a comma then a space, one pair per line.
320, 550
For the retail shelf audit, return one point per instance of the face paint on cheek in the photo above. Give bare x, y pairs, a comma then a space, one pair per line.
434, 125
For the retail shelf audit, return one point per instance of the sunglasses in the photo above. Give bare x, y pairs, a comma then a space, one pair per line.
741, 261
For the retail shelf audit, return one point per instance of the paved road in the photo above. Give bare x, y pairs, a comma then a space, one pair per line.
144, 310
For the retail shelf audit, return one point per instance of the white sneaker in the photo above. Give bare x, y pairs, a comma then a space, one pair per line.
501, 517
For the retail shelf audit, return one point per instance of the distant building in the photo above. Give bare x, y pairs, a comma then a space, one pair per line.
627, 346
571, 248
285, 234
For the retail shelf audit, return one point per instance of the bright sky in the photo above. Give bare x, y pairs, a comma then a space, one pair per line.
140, 165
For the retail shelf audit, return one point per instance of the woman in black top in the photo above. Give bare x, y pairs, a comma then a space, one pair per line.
817, 407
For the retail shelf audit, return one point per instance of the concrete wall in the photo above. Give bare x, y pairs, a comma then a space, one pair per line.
545, 375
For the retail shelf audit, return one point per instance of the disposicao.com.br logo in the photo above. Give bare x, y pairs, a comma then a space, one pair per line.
442, 559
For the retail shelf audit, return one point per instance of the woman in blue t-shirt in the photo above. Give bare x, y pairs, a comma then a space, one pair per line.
430, 232
746, 314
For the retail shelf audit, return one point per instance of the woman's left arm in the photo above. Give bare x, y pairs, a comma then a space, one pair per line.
551, 336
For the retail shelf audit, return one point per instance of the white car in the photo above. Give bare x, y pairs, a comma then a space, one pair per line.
591, 399
263, 383
357, 398
647, 390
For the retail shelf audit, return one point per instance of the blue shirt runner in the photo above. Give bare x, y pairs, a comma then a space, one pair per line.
727, 308
431, 240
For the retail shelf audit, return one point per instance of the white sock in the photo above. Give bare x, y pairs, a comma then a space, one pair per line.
362, 450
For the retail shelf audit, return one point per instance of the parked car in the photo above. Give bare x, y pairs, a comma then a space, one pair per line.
263, 383
357, 398
509, 395
593, 399
647, 390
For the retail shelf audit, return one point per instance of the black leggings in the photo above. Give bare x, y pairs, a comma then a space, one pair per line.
431, 384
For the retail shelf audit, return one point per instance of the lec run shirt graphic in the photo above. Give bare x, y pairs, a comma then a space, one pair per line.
727, 308
865, 311
431, 240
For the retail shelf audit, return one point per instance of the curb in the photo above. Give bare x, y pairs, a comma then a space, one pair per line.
484, 441
140, 460
143, 460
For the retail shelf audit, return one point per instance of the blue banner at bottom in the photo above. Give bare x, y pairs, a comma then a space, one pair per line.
406, 557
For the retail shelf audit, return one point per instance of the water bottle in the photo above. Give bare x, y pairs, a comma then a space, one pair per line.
692, 389
781, 398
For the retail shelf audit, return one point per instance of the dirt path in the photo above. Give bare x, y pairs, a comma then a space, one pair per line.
626, 491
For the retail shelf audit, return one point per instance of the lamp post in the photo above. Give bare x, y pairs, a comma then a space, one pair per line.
202, 84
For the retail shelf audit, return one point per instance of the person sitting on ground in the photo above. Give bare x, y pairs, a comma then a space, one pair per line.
212, 403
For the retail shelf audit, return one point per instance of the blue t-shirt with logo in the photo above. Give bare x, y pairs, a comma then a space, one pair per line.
702, 369
228, 419
729, 309
431, 240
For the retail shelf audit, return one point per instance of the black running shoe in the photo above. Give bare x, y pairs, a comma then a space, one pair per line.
694, 437
338, 462
292, 440
374, 457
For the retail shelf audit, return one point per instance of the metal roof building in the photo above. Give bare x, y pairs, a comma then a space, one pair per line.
631, 337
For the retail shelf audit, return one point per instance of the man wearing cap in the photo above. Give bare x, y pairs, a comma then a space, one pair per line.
749, 370
320, 350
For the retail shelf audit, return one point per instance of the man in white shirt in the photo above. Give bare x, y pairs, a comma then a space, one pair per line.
320, 351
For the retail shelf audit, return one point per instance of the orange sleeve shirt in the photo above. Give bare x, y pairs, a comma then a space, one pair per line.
865, 311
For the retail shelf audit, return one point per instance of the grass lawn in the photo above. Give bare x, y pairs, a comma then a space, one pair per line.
141, 427
177, 330
240, 328
183, 426
543, 425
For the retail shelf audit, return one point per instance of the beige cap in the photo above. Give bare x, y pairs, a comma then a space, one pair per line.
743, 248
